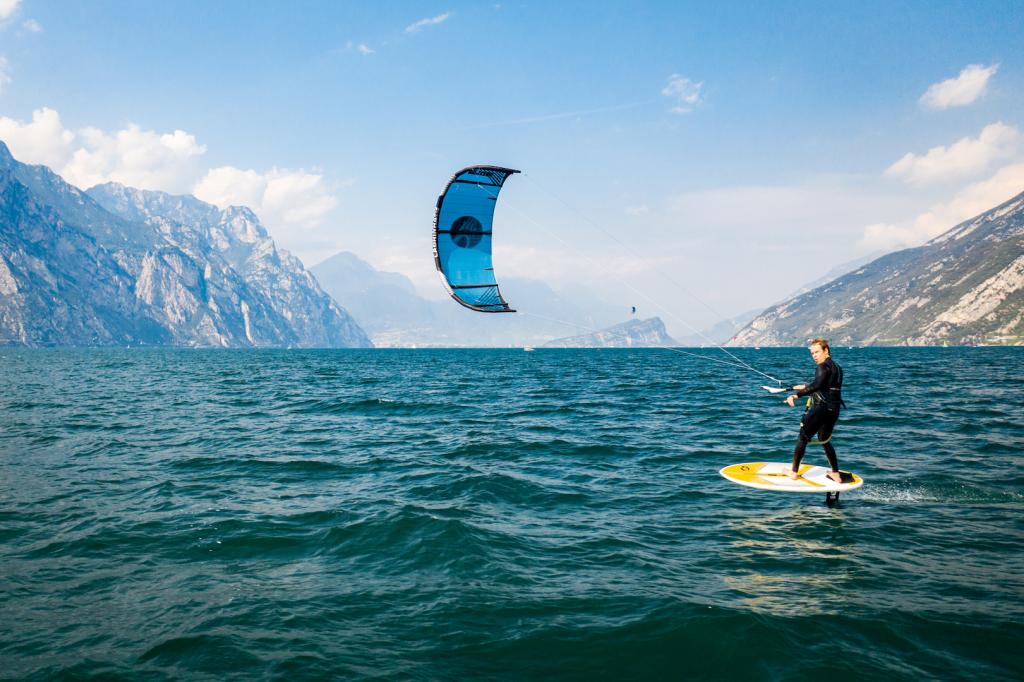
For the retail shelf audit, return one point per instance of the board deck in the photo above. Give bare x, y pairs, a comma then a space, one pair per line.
771, 476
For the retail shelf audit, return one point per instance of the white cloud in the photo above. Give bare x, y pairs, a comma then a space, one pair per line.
684, 92
281, 197
969, 202
32, 26
361, 48
965, 157
135, 157
432, 21
959, 91
642, 209
5, 77
8, 8
131, 156
42, 140
285, 200
300, 198
228, 186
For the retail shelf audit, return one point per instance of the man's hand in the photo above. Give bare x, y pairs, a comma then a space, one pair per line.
791, 400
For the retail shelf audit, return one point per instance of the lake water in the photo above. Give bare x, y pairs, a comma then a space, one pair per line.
495, 514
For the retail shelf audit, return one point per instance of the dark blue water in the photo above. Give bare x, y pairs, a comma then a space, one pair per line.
495, 514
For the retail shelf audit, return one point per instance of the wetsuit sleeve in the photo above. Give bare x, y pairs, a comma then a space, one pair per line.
820, 379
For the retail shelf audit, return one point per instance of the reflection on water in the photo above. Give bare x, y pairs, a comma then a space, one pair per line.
794, 562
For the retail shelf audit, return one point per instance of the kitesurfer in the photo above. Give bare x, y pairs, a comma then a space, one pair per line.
820, 418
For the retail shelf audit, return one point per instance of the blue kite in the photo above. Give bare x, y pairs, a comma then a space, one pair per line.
463, 222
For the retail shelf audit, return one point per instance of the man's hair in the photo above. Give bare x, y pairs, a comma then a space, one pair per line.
820, 342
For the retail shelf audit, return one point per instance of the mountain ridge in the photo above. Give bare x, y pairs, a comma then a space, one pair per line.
116, 265
965, 287
648, 333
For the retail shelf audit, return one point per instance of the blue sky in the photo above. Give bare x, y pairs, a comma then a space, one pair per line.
690, 151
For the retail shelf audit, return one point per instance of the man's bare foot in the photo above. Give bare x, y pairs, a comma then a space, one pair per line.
792, 474
835, 476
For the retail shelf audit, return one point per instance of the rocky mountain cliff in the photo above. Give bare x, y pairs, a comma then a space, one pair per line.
631, 334
964, 287
116, 265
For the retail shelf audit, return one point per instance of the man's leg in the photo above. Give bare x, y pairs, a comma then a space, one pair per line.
825, 438
801, 445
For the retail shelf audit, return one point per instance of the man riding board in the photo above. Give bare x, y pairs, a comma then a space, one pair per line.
822, 413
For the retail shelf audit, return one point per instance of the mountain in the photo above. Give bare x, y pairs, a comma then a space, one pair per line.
387, 306
723, 331
58, 286
631, 334
120, 266
964, 287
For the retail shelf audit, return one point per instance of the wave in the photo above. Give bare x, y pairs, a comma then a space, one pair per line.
317, 514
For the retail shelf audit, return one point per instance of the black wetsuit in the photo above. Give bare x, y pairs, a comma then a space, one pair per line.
820, 418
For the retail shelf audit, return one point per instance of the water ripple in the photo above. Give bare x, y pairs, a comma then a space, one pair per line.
491, 514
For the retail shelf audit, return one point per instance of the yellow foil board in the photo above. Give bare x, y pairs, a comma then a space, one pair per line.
771, 476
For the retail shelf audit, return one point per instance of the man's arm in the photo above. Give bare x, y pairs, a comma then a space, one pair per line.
820, 373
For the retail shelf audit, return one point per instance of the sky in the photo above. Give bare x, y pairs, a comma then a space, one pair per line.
697, 160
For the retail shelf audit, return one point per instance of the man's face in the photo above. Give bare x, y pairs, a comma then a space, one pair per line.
818, 354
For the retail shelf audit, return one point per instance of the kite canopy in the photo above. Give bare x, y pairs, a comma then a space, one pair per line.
462, 237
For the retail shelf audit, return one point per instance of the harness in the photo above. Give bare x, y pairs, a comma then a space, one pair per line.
835, 392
